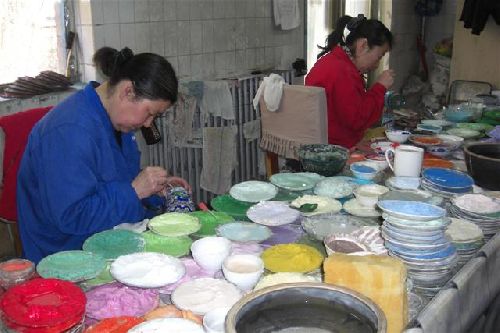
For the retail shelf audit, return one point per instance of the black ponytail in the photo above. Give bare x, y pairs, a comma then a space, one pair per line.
152, 75
375, 32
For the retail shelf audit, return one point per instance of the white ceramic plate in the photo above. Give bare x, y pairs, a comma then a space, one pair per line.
253, 191
147, 269
325, 204
353, 207
334, 187
272, 213
205, 294
177, 325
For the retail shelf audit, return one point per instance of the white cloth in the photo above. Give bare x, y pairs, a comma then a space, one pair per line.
272, 89
286, 13
217, 100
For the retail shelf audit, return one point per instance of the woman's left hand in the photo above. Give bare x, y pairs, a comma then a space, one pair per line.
178, 182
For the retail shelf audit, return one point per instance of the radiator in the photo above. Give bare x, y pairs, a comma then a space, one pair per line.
186, 161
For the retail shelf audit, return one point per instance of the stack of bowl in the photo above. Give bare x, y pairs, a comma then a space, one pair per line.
466, 237
446, 182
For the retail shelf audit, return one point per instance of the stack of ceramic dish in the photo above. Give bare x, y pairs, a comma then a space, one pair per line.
466, 237
446, 182
415, 233
480, 210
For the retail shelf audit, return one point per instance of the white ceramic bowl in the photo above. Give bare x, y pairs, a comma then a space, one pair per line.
397, 135
243, 270
368, 195
214, 320
362, 170
210, 252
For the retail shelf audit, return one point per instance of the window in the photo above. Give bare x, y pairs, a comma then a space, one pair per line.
31, 38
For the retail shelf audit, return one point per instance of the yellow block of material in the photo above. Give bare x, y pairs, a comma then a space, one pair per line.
380, 278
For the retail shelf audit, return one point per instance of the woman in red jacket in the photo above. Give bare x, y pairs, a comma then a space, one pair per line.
340, 69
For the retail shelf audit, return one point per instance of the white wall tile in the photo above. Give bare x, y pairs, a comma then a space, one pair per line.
175, 64
250, 59
219, 10
112, 35
197, 66
249, 8
184, 66
260, 32
208, 36
127, 36
89, 73
97, 14
171, 37
87, 43
269, 56
84, 11
251, 32
183, 37
260, 57
141, 11
221, 34
263, 8
195, 9
126, 11
240, 61
110, 11
207, 10
182, 7
155, 8
169, 10
240, 38
157, 37
98, 33
208, 68
142, 38
196, 37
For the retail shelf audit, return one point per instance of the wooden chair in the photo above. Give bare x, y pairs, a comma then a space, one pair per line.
14, 131
300, 119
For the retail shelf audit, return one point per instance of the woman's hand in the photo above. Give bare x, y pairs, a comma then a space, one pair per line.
150, 180
178, 182
386, 78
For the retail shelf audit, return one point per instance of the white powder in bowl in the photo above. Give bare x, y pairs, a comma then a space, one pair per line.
147, 269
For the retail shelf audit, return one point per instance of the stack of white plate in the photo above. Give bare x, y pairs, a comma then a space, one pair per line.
466, 237
482, 210
415, 233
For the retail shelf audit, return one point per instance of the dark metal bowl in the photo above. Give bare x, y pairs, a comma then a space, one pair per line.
307, 306
483, 164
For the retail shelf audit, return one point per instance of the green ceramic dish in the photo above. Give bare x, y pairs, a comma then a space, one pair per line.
75, 266
174, 246
210, 221
482, 127
111, 244
227, 204
174, 224
103, 278
464, 133
292, 181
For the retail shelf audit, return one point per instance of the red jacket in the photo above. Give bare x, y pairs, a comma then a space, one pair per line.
351, 108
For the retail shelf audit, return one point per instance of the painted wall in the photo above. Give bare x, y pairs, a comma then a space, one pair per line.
476, 57
201, 38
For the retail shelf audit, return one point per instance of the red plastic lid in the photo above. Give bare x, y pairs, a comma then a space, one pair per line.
115, 325
42, 303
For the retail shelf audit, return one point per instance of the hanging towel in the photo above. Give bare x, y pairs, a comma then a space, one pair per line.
217, 100
219, 158
17, 128
251, 130
286, 13
272, 89
182, 122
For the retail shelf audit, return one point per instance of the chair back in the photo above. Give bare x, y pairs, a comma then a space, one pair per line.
300, 119
15, 130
